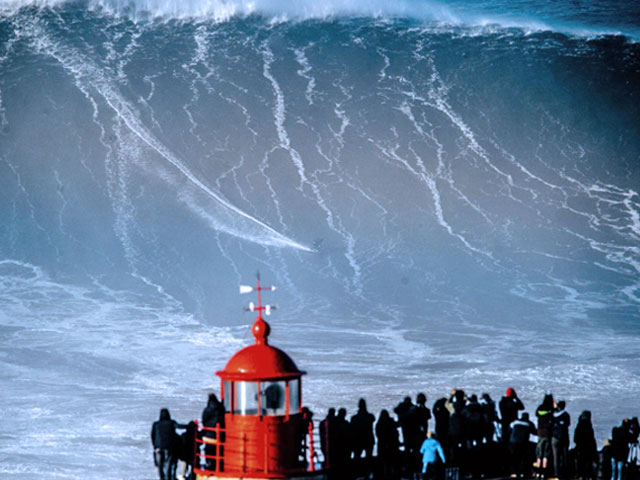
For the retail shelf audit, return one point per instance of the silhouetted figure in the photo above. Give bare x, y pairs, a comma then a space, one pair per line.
586, 448
388, 444
273, 399
431, 451
304, 426
457, 440
406, 413
560, 439
327, 434
474, 426
456, 401
441, 416
362, 430
490, 415
213, 416
619, 449
521, 430
634, 446
475, 421
604, 461
509, 407
422, 417
423, 414
544, 412
343, 440
185, 452
163, 433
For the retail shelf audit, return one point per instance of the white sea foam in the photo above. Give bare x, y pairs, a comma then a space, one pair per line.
440, 14
304, 72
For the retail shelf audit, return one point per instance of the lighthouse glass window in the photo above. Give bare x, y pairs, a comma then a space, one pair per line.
294, 396
273, 398
245, 398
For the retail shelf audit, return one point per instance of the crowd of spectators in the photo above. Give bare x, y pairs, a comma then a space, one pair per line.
462, 436
466, 436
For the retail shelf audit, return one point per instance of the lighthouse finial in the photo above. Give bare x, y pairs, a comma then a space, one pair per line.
260, 328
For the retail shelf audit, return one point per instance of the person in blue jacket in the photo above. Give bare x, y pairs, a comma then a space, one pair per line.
430, 451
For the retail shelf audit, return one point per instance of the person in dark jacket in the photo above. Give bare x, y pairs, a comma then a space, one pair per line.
586, 447
509, 407
213, 413
163, 438
544, 412
475, 421
304, 426
474, 426
560, 439
521, 430
457, 439
343, 440
491, 417
619, 449
388, 443
634, 447
456, 401
441, 416
406, 413
604, 461
422, 417
362, 431
185, 454
327, 435
212, 417
457, 442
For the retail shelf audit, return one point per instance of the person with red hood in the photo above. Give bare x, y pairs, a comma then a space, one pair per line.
509, 407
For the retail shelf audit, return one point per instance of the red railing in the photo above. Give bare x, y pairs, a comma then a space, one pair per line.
212, 445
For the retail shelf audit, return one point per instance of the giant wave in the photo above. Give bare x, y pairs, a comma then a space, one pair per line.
445, 197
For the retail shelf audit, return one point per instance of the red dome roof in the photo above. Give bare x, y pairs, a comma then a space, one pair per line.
259, 362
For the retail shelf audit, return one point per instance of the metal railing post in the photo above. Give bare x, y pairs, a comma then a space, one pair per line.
311, 448
217, 443
195, 446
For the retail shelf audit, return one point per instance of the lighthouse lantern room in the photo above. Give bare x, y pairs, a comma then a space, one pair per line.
266, 433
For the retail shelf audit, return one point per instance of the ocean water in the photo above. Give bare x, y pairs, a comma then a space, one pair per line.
445, 194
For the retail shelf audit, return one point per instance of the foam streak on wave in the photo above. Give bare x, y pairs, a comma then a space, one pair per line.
304, 70
279, 113
88, 75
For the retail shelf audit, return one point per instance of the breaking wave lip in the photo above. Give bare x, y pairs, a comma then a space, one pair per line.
278, 11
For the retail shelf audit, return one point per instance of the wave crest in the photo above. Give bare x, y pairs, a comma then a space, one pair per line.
278, 11
224, 10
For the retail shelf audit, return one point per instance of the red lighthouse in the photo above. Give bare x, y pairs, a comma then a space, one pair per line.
266, 432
